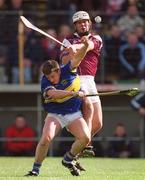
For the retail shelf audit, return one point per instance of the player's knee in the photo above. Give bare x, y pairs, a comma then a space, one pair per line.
86, 138
45, 140
97, 126
88, 106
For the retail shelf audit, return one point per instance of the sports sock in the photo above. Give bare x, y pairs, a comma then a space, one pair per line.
36, 167
69, 157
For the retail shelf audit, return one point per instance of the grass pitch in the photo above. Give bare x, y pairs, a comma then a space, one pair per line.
12, 168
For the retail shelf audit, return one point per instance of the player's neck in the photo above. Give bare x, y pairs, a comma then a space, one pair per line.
82, 34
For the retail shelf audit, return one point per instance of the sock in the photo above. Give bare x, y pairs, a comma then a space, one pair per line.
89, 147
69, 157
36, 167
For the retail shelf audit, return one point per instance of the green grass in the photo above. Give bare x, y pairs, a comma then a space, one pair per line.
97, 169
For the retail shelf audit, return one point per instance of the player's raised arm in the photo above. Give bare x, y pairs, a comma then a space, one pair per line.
77, 56
55, 94
66, 55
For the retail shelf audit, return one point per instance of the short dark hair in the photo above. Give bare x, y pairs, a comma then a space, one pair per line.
49, 66
20, 115
120, 124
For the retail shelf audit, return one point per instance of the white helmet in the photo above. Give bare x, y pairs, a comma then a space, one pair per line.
80, 15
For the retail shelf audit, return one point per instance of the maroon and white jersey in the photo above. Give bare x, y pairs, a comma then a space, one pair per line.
89, 64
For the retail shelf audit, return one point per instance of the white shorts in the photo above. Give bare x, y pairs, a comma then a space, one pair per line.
89, 87
65, 120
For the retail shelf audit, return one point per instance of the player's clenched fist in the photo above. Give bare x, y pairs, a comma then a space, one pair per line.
71, 50
85, 40
79, 94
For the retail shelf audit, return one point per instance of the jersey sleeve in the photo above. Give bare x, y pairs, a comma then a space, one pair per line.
45, 86
66, 69
98, 43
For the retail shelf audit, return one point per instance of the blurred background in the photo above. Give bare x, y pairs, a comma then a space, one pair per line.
22, 51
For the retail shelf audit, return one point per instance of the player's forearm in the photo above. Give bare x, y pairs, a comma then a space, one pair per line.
79, 56
90, 46
80, 53
60, 94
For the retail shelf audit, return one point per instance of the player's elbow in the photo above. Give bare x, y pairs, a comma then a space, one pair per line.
52, 94
91, 46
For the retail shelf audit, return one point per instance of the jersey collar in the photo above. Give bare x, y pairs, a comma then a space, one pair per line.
76, 34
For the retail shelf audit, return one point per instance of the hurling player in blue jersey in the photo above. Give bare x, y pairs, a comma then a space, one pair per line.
60, 87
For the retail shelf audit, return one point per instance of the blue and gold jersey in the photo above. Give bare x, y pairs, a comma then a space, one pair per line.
70, 81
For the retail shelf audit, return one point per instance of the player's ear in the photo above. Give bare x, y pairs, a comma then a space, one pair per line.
74, 26
59, 71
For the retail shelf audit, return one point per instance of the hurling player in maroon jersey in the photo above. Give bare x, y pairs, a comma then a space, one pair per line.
92, 109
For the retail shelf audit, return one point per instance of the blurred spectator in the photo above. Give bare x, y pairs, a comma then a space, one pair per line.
13, 63
33, 57
64, 31
57, 5
89, 5
112, 44
114, 6
85, 5
3, 23
72, 9
35, 53
130, 20
2, 5
3, 63
12, 20
120, 147
15, 5
1, 149
19, 129
3, 42
138, 103
139, 31
109, 10
51, 48
132, 58
140, 4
